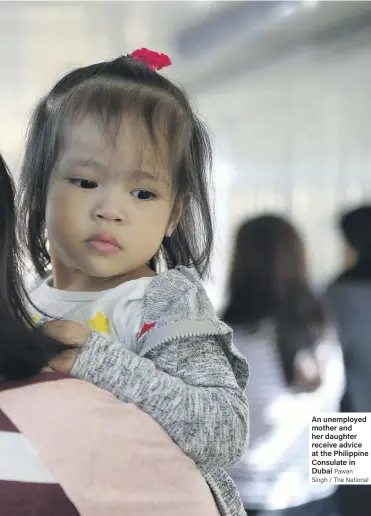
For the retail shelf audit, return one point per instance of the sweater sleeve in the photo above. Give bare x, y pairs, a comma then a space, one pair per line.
187, 385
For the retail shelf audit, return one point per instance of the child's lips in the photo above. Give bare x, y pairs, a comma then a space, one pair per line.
103, 247
105, 243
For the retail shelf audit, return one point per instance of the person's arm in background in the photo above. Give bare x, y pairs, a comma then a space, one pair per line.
280, 412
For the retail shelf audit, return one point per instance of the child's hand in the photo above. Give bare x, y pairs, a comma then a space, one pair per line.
70, 333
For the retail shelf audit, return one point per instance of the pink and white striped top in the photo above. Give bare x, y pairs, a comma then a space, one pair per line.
68, 448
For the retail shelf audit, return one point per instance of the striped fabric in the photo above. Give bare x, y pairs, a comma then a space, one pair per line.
68, 448
26, 484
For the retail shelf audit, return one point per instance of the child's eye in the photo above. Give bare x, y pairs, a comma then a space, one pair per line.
83, 183
143, 195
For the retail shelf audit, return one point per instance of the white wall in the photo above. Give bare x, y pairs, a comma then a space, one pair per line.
299, 137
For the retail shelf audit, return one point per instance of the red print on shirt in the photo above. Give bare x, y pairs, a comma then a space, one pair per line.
145, 329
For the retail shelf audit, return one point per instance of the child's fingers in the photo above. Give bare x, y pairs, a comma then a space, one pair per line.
63, 363
68, 332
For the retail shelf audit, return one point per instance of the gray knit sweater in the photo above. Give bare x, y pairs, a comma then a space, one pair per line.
186, 374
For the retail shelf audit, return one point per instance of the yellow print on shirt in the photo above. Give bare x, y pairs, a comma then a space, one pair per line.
39, 320
100, 323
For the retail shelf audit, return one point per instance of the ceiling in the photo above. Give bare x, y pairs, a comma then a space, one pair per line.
206, 39
241, 37
212, 44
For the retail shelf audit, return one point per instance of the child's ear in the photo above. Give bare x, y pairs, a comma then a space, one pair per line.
178, 211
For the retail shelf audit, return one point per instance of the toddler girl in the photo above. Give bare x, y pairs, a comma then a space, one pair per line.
114, 190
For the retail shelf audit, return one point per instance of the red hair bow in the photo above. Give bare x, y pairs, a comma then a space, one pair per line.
152, 60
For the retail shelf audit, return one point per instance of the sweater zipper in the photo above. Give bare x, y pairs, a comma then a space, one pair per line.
176, 337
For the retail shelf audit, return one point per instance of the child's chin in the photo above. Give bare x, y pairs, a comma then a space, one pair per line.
103, 271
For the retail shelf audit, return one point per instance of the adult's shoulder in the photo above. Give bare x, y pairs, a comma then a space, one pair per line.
95, 444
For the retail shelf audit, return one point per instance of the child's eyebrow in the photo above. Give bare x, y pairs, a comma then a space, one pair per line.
79, 162
140, 174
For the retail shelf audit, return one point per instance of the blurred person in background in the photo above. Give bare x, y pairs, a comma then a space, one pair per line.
355, 228
68, 448
296, 369
349, 298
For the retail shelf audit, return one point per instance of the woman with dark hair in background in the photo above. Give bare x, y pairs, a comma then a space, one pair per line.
296, 369
68, 448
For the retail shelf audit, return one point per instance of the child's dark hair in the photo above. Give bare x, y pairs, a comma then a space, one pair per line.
268, 281
24, 351
107, 92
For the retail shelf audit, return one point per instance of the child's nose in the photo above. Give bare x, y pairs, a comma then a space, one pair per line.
110, 205
111, 216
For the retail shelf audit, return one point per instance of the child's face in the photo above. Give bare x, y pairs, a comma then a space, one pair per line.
103, 189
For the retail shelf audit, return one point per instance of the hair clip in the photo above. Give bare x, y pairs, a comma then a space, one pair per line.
152, 60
